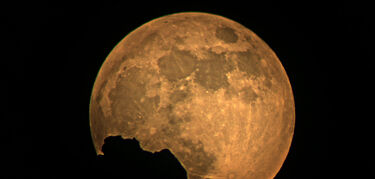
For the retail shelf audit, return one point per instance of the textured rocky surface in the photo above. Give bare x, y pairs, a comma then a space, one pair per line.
202, 86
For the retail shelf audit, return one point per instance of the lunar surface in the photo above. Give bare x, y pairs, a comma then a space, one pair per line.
204, 87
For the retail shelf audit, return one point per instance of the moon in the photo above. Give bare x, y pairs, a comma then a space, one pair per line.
203, 86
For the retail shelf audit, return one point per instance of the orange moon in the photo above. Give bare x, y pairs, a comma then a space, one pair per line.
203, 86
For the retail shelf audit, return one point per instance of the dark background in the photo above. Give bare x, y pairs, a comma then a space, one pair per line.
56, 50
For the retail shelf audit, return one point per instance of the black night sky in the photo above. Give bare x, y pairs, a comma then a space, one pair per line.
326, 50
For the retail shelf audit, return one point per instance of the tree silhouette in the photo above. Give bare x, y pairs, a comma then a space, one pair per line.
125, 158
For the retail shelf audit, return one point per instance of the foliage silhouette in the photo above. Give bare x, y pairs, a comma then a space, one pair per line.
125, 158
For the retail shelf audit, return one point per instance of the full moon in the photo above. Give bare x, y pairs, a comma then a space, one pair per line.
203, 86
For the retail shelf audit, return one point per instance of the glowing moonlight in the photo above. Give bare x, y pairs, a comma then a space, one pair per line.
204, 87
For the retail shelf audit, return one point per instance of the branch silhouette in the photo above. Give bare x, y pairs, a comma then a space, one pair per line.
125, 158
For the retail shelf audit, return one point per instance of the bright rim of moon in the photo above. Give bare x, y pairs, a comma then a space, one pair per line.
204, 87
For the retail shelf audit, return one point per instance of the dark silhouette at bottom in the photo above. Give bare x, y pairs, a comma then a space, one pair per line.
125, 158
